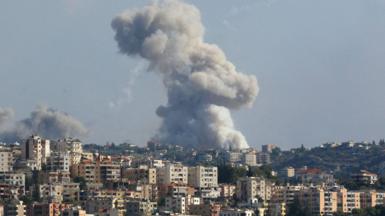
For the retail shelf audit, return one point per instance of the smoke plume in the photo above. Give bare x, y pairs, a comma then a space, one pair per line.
46, 122
202, 85
6, 114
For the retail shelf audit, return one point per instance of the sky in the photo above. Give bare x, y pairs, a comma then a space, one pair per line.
320, 66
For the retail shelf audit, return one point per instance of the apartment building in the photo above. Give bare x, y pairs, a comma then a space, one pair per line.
250, 189
6, 159
250, 157
285, 194
330, 202
365, 177
263, 158
203, 177
71, 146
59, 162
177, 204
287, 172
87, 169
368, 198
140, 208
109, 171
142, 175
13, 181
237, 212
172, 173
268, 148
227, 190
15, 208
35, 150
74, 211
205, 209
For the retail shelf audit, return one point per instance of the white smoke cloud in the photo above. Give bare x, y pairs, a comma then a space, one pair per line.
44, 121
127, 95
202, 85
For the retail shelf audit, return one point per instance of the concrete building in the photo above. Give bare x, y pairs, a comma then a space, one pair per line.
250, 190
233, 157
140, 208
203, 177
70, 191
285, 194
172, 173
319, 201
365, 177
74, 211
287, 172
227, 190
59, 162
313, 200
15, 208
277, 209
177, 204
368, 198
109, 171
263, 158
6, 159
139, 175
314, 176
250, 157
51, 192
71, 146
58, 177
268, 148
13, 181
205, 209
47, 209
331, 201
87, 169
36, 150
348, 200
237, 212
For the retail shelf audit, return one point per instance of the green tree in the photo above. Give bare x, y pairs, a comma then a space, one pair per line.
229, 174
296, 209
82, 182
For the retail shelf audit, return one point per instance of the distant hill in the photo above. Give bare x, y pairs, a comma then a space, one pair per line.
341, 159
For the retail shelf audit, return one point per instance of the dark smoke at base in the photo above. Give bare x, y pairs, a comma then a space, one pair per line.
202, 85
46, 122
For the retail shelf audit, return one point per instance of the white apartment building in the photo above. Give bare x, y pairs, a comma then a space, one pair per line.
172, 173
203, 177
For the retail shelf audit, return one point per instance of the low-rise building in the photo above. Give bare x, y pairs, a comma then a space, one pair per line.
140, 208
365, 177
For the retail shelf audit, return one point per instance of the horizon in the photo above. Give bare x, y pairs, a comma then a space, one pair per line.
320, 77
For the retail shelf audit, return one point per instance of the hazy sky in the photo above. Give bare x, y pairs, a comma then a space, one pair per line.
320, 66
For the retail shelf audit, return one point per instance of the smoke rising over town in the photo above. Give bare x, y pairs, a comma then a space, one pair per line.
202, 85
44, 121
